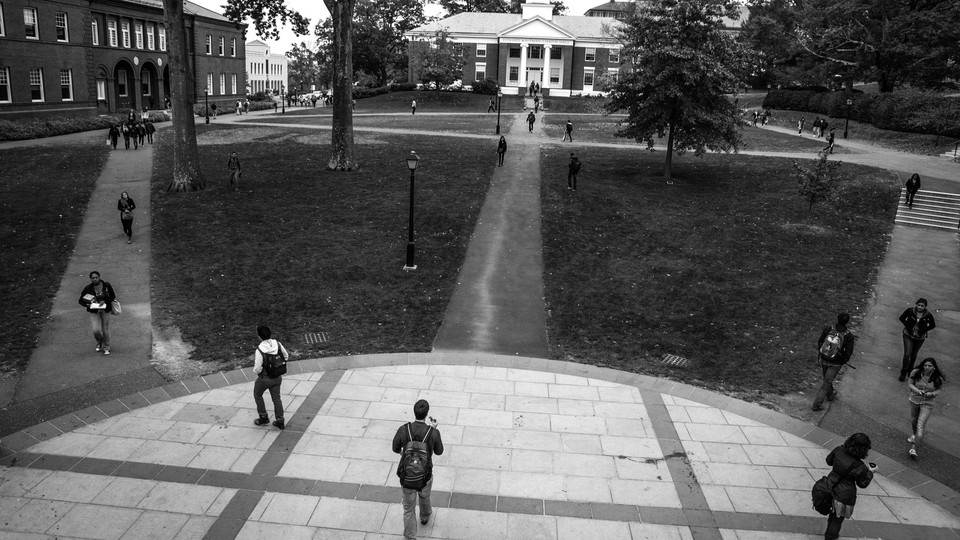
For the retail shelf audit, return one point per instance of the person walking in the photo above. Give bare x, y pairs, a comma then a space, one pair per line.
830, 138
573, 169
125, 131
233, 167
269, 353
239, 107
536, 89
834, 350
756, 116
213, 108
536, 104
491, 107
126, 206
925, 383
913, 186
849, 473
423, 440
532, 89
113, 135
501, 150
413, 107
98, 298
916, 321
151, 129
816, 126
141, 132
567, 132
800, 125
823, 127
246, 106
531, 119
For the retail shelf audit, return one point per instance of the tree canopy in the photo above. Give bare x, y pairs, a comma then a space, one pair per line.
683, 65
454, 7
439, 61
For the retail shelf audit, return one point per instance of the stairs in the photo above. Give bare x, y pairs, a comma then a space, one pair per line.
932, 209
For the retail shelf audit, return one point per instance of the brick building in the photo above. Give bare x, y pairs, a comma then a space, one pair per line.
77, 57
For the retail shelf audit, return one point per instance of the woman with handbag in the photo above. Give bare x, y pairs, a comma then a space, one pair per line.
925, 383
98, 297
126, 205
851, 472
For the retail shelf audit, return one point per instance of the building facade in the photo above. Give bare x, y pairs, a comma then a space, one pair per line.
266, 71
76, 57
565, 55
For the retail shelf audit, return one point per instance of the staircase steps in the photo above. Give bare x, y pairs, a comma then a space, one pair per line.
933, 209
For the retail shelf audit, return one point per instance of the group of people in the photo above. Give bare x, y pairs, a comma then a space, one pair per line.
136, 131
243, 107
761, 116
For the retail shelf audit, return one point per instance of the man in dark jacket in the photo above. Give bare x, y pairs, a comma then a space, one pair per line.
916, 321
834, 349
419, 431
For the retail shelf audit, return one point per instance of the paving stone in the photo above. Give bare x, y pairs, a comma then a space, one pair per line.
468, 501
348, 514
519, 505
113, 407
94, 521
156, 526
223, 479
146, 471
70, 487
520, 526
382, 494
97, 466
134, 401
55, 463
651, 531
67, 422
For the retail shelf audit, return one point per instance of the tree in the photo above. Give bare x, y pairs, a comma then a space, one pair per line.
303, 66
439, 61
683, 64
454, 7
817, 183
187, 175
379, 47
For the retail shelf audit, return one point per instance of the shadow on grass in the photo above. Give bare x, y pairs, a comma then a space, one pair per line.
305, 250
725, 267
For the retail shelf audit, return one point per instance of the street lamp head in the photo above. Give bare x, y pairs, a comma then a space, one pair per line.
849, 102
499, 93
412, 161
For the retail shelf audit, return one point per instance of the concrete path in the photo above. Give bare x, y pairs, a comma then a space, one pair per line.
497, 305
534, 449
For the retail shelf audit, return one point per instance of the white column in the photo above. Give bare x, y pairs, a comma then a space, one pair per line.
523, 66
546, 67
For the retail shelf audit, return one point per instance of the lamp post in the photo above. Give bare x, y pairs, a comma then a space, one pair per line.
206, 104
412, 162
283, 101
499, 95
846, 126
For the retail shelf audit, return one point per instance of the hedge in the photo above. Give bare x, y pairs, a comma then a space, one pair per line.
37, 129
364, 92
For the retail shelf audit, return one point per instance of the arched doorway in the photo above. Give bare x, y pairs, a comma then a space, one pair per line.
123, 86
150, 86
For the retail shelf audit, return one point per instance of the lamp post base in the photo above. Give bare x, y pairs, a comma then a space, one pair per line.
498, 129
409, 268
411, 249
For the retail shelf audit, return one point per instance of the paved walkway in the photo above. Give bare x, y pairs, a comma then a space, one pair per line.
534, 449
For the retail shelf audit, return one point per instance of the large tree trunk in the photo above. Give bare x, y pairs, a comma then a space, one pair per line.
186, 158
342, 159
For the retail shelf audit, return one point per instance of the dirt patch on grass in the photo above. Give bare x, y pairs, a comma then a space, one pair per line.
171, 356
806, 228
215, 137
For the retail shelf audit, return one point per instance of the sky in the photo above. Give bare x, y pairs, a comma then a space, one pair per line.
316, 11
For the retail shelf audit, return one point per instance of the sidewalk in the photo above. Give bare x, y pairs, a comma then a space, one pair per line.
534, 449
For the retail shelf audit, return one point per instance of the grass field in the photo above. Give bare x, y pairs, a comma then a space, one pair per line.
455, 123
306, 250
725, 267
45, 193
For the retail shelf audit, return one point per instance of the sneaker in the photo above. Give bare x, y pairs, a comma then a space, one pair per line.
832, 397
262, 420
424, 519
278, 423
98, 347
817, 408
129, 241
913, 453
903, 377
911, 439
106, 350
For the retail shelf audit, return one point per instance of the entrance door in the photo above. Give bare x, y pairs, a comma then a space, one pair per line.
534, 75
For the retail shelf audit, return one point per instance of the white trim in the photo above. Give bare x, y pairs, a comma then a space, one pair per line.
69, 85
66, 26
5, 75
39, 73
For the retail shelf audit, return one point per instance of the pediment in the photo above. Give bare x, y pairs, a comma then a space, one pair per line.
536, 27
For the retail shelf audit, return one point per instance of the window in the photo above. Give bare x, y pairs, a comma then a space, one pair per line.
614, 56
233, 83
122, 83
112, 33
555, 52
223, 84
590, 55
554, 75
209, 44
3, 30
481, 51
514, 73
210, 83
30, 23
220, 46
481, 72
151, 42
514, 52
66, 84
62, 33
95, 31
36, 84
102, 90
125, 33
588, 77
233, 47
5, 85
138, 35
534, 51
614, 74
163, 38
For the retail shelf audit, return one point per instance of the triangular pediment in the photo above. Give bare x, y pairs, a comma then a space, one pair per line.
536, 27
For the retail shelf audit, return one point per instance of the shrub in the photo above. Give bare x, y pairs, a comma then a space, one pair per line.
487, 86
35, 129
362, 93
403, 87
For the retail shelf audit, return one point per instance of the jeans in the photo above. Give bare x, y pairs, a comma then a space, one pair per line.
919, 414
572, 181
100, 323
263, 384
500, 162
410, 497
911, 347
127, 227
830, 372
833, 527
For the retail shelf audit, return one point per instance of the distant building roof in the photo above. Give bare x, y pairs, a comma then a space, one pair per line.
610, 9
492, 23
188, 7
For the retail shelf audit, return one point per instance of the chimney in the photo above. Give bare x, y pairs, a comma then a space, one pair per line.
533, 8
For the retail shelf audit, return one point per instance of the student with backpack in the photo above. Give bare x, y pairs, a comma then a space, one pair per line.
270, 363
834, 349
417, 442
835, 495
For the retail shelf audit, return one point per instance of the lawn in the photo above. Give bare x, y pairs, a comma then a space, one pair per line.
305, 250
456, 123
433, 101
45, 193
725, 267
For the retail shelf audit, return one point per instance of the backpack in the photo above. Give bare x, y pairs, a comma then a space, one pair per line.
822, 492
274, 365
414, 462
832, 344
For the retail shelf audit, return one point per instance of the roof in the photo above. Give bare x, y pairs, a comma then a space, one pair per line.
493, 23
188, 7
256, 42
613, 6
